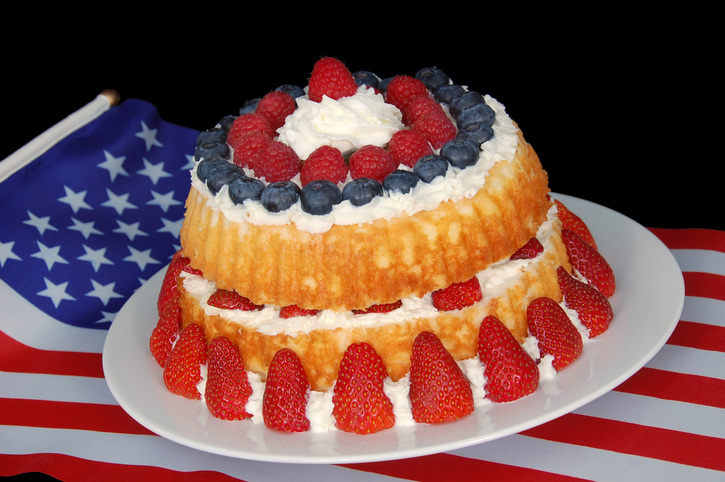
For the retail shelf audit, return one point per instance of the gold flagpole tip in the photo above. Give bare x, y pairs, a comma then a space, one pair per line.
114, 98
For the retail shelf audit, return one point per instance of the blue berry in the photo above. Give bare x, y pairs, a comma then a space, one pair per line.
361, 191
363, 77
221, 175
445, 94
280, 196
293, 90
226, 122
211, 135
205, 167
249, 106
243, 188
461, 153
212, 148
431, 166
400, 180
476, 114
318, 197
433, 78
383, 85
477, 133
465, 100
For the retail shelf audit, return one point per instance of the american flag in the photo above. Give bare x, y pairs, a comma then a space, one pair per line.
89, 220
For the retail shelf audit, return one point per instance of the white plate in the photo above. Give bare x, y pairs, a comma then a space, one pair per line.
647, 306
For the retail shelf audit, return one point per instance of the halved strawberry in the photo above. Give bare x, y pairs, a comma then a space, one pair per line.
380, 308
294, 310
360, 403
165, 334
530, 250
169, 293
556, 334
457, 295
285, 394
571, 221
231, 300
510, 372
589, 262
439, 391
183, 369
594, 310
227, 386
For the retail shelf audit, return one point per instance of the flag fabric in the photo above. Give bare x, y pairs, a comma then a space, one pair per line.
98, 213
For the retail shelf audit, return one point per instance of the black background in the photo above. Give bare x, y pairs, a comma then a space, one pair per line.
623, 101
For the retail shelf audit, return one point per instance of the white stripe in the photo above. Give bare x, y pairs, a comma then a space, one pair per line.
691, 361
654, 412
148, 450
57, 388
32, 150
704, 310
584, 462
700, 260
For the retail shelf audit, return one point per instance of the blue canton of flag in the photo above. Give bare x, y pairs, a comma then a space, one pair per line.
89, 221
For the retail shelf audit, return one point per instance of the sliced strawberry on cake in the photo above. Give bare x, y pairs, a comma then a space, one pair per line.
183, 369
285, 394
227, 386
593, 308
458, 295
165, 334
589, 262
571, 221
556, 334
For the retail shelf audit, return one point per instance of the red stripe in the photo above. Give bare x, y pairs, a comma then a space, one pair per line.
20, 358
629, 438
691, 238
74, 469
675, 386
698, 335
68, 415
433, 468
704, 285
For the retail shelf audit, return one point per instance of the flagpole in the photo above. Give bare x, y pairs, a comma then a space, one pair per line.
30, 151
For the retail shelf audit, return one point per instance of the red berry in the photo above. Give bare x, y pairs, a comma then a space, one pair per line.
330, 77
285, 394
529, 250
275, 107
407, 147
183, 369
458, 295
325, 162
419, 107
557, 335
589, 262
571, 221
169, 293
403, 89
248, 147
227, 386
372, 162
293, 310
247, 123
165, 334
276, 162
594, 310
380, 308
436, 127
231, 300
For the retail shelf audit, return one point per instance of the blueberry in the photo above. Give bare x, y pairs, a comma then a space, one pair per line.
249, 106
212, 148
318, 197
431, 166
205, 167
400, 180
465, 100
221, 175
245, 187
383, 85
361, 191
461, 153
478, 133
363, 77
211, 135
226, 122
476, 114
433, 78
447, 93
293, 90
280, 196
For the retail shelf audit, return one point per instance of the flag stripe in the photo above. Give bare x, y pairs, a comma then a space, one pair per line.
622, 437
681, 387
686, 360
698, 335
37, 386
697, 260
691, 238
706, 285
704, 310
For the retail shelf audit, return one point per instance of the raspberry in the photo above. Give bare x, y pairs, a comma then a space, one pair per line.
330, 77
372, 162
407, 147
436, 127
248, 146
275, 107
325, 162
419, 107
403, 89
276, 162
244, 124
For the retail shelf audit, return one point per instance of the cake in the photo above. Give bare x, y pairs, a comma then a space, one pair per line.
361, 238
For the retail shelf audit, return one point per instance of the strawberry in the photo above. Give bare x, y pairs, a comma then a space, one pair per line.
419, 107
439, 391
165, 334
293, 310
332, 78
380, 308
589, 262
436, 127
285, 393
275, 107
231, 300
227, 386
458, 295
557, 335
360, 403
372, 162
183, 368
248, 146
594, 310
571, 221
169, 293
276, 162
530, 250
510, 372
325, 162
247, 123
403, 89
407, 147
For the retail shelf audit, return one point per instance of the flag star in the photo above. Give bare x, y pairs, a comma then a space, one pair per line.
149, 136
114, 165
190, 163
142, 258
42, 224
107, 316
154, 171
55, 292
74, 199
130, 230
49, 255
164, 201
103, 292
119, 203
6, 253
173, 227
86, 229
96, 257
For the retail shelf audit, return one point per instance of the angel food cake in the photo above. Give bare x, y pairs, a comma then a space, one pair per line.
361, 253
